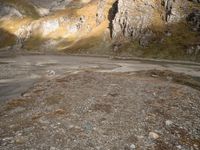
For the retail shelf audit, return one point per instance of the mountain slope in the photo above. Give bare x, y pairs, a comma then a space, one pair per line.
155, 28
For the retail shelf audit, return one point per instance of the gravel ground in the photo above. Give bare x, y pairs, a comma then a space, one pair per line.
103, 111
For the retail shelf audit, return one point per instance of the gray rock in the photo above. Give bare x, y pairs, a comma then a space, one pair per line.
134, 19
7, 12
194, 20
193, 50
87, 126
129, 21
168, 122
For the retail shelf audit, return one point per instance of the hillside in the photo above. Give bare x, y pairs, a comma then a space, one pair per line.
157, 28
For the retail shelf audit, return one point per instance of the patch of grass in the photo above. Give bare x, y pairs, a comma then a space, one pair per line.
54, 99
179, 78
7, 39
174, 46
34, 43
16, 103
166, 47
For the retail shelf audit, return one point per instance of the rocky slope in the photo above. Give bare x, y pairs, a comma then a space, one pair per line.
155, 28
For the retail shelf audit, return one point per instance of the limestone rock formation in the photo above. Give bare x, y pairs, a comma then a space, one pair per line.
137, 19
101, 24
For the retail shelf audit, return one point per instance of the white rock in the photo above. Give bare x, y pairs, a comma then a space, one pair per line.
42, 11
51, 72
50, 26
52, 148
73, 29
132, 146
168, 122
153, 135
179, 146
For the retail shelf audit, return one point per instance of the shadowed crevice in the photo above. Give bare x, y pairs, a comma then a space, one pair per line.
111, 16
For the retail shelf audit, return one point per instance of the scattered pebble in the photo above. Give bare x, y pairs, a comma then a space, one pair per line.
51, 73
179, 146
52, 148
153, 135
88, 127
168, 122
132, 146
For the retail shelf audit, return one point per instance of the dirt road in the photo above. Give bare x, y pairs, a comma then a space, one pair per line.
21, 72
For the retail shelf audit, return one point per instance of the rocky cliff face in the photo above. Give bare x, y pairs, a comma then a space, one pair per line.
99, 24
139, 18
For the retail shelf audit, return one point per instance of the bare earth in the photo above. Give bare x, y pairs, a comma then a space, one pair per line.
100, 106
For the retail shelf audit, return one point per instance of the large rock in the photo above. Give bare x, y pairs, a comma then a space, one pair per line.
133, 19
137, 19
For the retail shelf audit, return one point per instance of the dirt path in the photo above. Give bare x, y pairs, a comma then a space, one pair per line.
19, 73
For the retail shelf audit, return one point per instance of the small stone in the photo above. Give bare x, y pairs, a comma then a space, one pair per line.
153, 135
132, 146
155, 76
88, 127
20, 140
26, 94
19, 134
11, 126
52, 148
179, 146
59, 112
169, 78
168, 122
71, 126
7, 138
51, 72
196, 146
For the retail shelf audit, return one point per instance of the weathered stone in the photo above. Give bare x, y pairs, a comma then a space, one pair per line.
194, 20
168, 122
134, 19
153, 135
100, 17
